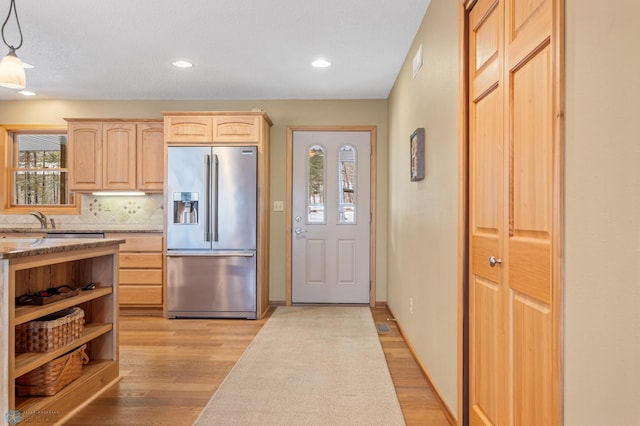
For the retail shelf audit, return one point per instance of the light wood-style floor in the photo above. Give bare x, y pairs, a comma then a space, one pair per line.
171, 368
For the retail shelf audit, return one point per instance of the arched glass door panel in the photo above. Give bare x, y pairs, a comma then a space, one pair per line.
347, 178
316, 184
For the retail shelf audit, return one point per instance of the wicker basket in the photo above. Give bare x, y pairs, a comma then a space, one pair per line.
49, 333
50, 378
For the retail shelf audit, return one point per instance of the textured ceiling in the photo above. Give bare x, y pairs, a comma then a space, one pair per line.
242, 49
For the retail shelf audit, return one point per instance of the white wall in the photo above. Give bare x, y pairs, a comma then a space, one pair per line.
423, 215
602, 213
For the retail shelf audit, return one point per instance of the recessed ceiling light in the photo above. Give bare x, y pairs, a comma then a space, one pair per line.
27, 93
182, 64
321, 63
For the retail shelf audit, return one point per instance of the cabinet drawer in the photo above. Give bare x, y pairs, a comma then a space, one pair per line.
188, 129
138, 242
140, 295
140, 260
236, 129
140, 276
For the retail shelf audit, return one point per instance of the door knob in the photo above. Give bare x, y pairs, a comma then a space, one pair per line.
493, 261
299, 231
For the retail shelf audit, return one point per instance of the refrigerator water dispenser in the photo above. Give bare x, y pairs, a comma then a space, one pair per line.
185, 207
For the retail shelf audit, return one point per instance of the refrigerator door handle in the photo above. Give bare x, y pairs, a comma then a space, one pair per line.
207, 204
211, 254
215, 197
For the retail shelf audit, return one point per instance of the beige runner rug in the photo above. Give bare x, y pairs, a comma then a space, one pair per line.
309, 366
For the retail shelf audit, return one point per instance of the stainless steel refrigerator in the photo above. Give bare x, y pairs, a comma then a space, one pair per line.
211, 232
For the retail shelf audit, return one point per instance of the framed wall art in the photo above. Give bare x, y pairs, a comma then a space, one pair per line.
417, 154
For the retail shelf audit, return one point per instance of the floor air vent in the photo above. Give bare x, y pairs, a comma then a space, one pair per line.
383, 328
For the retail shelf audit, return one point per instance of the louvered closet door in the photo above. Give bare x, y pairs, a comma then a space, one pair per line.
514, 317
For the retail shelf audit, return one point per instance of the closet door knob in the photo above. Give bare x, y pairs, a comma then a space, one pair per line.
493, 261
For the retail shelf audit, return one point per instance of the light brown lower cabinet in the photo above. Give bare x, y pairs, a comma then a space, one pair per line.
140, 272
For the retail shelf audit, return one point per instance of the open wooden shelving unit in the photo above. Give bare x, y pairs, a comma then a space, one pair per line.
25, 275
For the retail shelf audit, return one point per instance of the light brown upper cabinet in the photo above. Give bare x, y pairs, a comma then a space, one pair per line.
85, 156
236, 129
192, 128
223, 127
116, 155
119, 154
150, 156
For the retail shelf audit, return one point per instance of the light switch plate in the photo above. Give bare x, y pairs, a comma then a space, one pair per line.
278, 206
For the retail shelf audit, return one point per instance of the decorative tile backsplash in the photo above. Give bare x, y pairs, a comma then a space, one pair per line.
102, 212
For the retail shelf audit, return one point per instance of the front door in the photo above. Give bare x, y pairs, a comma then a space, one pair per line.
330, 216
514, 63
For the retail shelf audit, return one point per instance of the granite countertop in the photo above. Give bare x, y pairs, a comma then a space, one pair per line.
75, 231
23, 247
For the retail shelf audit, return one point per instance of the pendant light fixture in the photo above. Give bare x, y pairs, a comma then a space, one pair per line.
11, 68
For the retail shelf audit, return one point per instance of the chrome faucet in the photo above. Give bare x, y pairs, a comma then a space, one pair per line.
41, 218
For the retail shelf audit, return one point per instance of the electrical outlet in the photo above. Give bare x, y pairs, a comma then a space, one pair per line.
106, 205
411, 305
